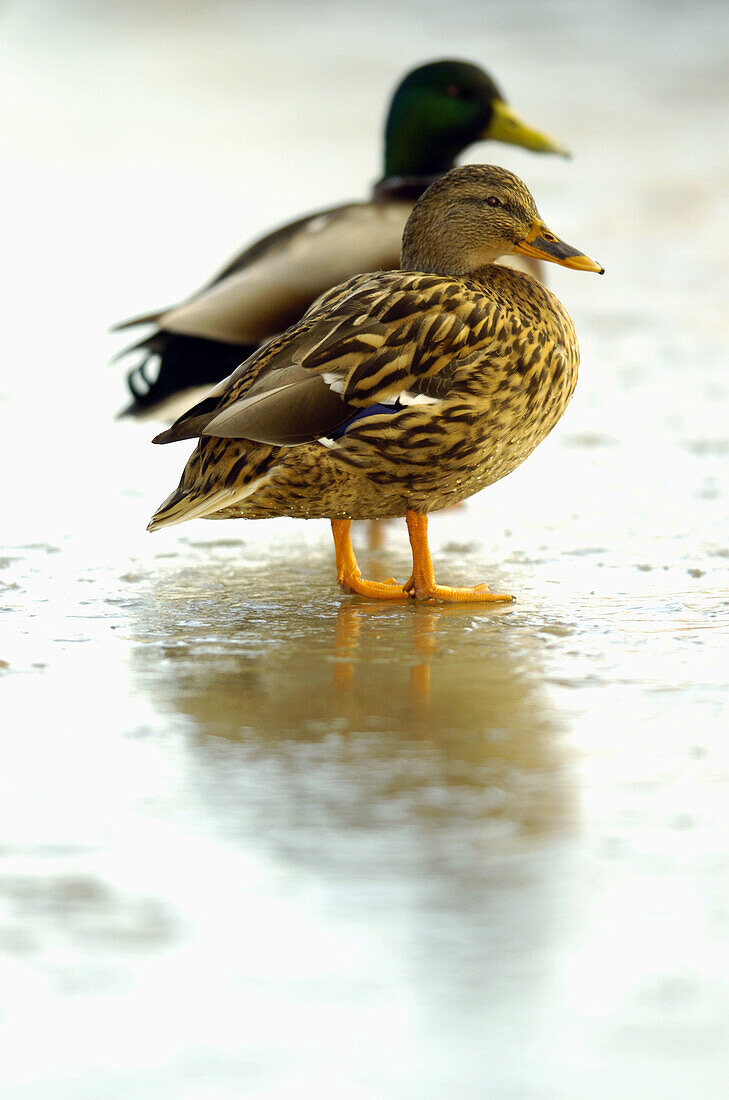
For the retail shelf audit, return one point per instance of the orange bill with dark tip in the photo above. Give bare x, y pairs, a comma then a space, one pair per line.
542, 244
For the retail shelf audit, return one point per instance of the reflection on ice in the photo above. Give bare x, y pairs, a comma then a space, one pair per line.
429, 710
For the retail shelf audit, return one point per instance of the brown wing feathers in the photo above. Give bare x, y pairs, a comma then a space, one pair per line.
298, 411
370, 343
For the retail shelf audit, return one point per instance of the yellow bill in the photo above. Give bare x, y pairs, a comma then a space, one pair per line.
505, 125
542, 244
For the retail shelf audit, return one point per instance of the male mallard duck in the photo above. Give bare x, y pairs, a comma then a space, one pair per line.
399, 392
437, 111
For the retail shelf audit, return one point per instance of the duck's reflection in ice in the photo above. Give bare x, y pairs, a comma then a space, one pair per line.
432, 712
396, 768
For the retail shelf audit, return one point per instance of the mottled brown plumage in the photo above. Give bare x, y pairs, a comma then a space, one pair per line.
398, 392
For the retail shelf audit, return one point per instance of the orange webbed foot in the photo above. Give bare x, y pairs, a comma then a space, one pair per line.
480, 593
422, 583
348, 573
353, 584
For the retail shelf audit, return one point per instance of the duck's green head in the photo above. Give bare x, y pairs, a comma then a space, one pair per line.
440, 109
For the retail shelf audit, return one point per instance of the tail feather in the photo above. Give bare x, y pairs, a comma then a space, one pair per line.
142, 319
184, 363
206, 487
180, 506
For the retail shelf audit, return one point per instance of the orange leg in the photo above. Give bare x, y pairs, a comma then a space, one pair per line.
348, 574
422, 583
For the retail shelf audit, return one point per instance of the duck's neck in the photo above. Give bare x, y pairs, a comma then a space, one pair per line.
440, 240
409, 152
437, 260
402, 188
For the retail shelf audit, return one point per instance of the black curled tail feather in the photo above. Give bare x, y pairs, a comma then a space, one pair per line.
173, 363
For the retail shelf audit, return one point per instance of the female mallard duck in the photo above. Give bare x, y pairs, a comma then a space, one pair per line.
437, 111
399, 392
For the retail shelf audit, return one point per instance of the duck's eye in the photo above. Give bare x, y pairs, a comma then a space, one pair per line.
493, 201
549, 237
453, 90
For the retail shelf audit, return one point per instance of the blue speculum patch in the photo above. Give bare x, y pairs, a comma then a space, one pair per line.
370, 410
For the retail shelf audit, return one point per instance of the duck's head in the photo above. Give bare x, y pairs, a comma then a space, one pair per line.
474, 214
440, 109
